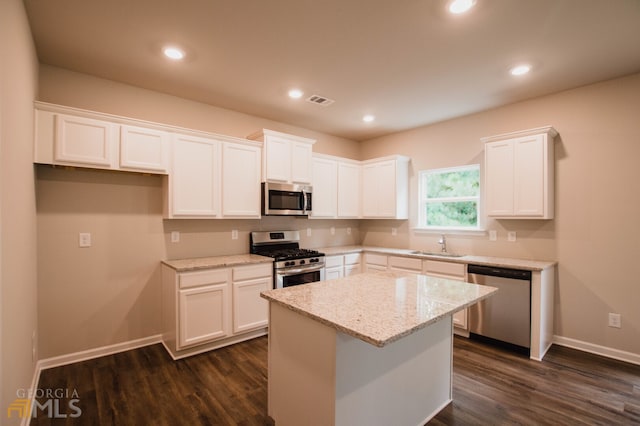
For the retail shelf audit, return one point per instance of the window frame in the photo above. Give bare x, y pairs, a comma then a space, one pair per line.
423, 200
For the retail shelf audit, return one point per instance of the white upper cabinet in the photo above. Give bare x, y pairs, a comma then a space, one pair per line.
76, 137
241, 180
325, 186
193, 185
519, 174
385, 188
286, 158
84, 141
348, 190
336, 187
144, 149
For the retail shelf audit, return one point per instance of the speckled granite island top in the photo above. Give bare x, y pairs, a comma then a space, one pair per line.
379, 307
183, 265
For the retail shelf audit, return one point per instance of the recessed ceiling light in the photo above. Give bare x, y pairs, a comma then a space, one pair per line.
368, 118
461, 6
295, 93
520, 69
173, 53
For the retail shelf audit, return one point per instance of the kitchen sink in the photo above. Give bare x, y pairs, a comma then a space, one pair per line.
436, 253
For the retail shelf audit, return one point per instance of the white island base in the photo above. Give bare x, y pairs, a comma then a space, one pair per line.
321, 376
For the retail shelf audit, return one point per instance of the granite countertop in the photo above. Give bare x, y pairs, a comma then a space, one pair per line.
379, 307
531, 265
183, 265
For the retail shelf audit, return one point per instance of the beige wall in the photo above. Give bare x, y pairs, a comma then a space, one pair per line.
18, 278
83, 91
595, 234
110, 292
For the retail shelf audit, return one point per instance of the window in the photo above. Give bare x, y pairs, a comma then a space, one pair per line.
450, 198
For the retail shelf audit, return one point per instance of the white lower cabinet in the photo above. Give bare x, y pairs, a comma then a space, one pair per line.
405, 264
333, 267
338, 266
211, 308
454, 271
203, 306
250, 311
375, 262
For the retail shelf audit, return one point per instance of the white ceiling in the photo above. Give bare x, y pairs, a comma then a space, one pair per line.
408, 62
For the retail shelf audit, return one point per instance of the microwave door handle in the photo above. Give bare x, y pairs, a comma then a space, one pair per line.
304, 202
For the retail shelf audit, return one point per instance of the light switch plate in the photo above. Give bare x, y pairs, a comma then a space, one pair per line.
493, 235
394, 232
511, 236
84, 239
333, 231
308, 232
348, 231
175, 236
234, 234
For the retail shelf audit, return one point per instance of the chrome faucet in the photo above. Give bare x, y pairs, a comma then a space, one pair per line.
443, 242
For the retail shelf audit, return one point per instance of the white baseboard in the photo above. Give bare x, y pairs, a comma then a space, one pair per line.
597, 349
98, 352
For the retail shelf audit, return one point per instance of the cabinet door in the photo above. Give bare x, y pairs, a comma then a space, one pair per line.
325, 183
85, 141
351, 270
250, 311
240, 180
406, 264
529, 176
348, 190
369, 191
499, 186
144, 149
460, 319
203, 314
386, 192
301, 155
194, 177
333, 273
277, 159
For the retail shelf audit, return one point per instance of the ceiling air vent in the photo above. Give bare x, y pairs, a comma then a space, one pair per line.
320, 100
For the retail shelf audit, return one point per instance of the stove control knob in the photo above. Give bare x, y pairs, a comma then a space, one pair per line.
288, 263
313, 260
302, 262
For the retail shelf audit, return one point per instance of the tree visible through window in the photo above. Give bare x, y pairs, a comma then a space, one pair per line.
450, 198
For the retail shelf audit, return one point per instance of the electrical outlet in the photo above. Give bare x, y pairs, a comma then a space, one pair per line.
394, 232
493, 235
308, 232
511, 236
175, 236
234, 234
333, 231
348, 231
614, 320
84, 239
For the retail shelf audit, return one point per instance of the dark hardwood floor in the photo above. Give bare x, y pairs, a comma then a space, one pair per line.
491, 386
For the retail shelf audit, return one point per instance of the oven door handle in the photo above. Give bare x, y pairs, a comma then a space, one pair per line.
290, 272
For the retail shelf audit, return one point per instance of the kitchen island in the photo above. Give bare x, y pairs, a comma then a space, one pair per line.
373, 348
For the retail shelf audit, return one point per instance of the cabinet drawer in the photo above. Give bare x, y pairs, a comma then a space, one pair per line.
261, 270
445, 268
209, 276
376, 259
352, 259
332, 261
405, 263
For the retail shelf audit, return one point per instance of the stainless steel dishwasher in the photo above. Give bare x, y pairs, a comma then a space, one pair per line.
505, 316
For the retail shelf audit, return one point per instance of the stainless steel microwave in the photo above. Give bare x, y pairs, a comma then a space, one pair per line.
284, 199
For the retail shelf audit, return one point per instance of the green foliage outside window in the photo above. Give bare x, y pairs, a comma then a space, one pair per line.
449, 198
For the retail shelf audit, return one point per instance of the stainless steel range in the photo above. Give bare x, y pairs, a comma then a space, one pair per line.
292, 265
